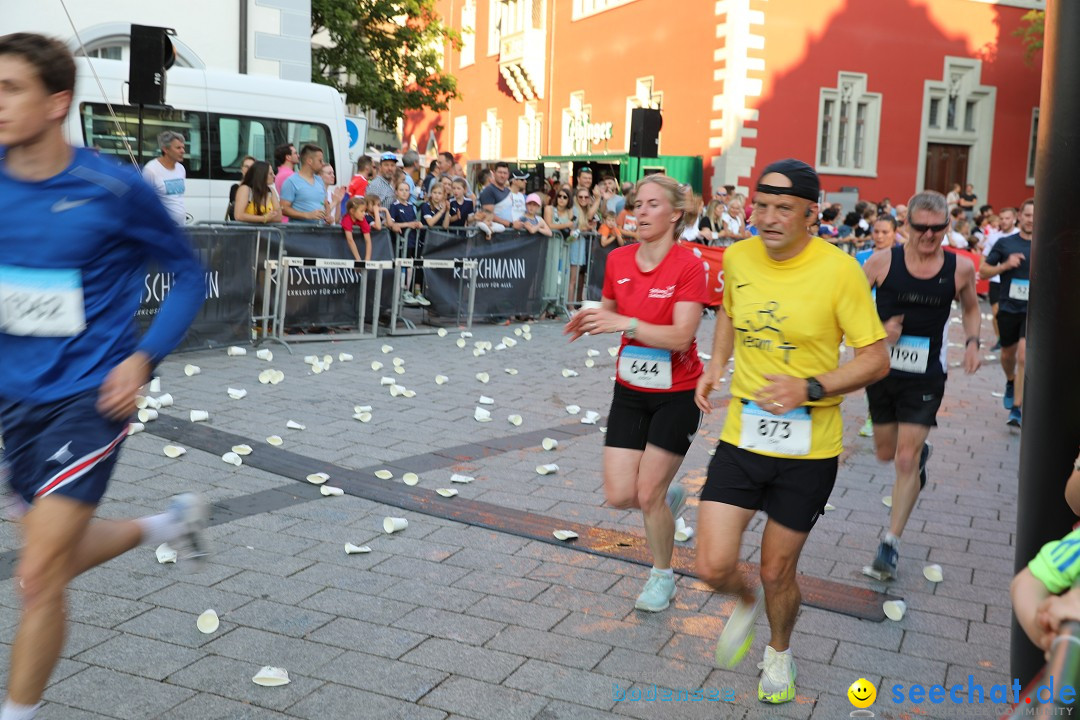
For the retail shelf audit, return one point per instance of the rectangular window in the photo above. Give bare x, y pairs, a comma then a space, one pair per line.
1033, 142
585, 8
461, 134
860, 134
935, 111
101, 132
826, 132
950, 120
849, 123
841, 141
969, 116
468, 35
495, 21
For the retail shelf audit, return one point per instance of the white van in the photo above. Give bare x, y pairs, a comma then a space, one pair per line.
222, 116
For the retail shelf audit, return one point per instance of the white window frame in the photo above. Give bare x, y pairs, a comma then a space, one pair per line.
851, 91
494, 26
587, 8
491, 136
467, 56
461, 135
1033, 141
530, 127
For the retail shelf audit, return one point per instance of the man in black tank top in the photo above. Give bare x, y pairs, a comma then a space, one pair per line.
916, 286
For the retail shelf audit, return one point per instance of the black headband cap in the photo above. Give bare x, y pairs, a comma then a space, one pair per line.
804, 180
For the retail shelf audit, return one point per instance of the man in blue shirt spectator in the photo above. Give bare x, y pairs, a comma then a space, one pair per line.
303, 196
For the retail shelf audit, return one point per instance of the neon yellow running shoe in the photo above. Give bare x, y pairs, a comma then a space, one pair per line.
738, 633
777, 684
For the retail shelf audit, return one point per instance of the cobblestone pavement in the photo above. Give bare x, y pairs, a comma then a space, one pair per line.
444, 620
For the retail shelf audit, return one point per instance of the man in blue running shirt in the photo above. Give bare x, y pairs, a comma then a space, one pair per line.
73, 257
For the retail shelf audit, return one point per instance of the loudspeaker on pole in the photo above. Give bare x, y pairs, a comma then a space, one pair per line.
645, 124
152, 53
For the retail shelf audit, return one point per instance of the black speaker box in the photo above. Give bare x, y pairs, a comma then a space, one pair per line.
152, 53
645, 124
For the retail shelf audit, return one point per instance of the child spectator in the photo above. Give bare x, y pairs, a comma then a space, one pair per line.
609, 230
436, 211
627, 221
354, 219
828, 229
461, 207
376, 215
531, 219
485, 222
404, 222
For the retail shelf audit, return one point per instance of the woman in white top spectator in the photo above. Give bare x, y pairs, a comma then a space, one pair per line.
693, 215
334, 195
958, 238
711, 224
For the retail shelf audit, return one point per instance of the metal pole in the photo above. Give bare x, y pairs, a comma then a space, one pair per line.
1051, 432
242, 66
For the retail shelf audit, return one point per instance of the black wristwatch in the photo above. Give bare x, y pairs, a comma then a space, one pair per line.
814, 389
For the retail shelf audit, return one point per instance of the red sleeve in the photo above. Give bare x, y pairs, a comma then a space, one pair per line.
365, 226
347, 223
609, 275
691, 286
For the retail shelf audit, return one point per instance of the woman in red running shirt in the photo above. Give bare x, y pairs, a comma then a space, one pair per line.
654, 292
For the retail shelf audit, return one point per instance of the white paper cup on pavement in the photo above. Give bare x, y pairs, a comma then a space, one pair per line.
190, 370
136, 427
174, 451
547, 469
351, 549
208, 622
238, 393
147, 415
895, 609
515, 420
165, 554
234, 351
233, 458
329, 490
293, 425
274, 440
271, 677
932, 573
264, 354
479, 414
199, 415
266, 376
393, 524
344, 357
549, 443
141, 402
155, 385
165, 400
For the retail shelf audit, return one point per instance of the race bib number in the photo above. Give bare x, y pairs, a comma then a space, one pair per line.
41, 302
787, 434
1018, 290
910, 354
645, 367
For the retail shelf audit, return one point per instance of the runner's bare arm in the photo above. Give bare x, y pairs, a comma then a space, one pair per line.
969, 304
783, 392
1028, 593
723, 346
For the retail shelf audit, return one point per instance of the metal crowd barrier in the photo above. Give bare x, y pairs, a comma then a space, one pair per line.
401, 266
1064, 670
557, 276
285, 262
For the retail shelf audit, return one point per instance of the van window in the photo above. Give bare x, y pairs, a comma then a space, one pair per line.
234, 136
100, 131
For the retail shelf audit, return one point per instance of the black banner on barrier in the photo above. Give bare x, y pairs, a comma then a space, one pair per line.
510, 271
329, 297
598, 254
225, 317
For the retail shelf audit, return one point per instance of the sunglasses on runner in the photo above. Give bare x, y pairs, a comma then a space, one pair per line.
932, 228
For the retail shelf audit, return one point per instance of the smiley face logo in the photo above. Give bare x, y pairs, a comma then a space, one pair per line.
862, 693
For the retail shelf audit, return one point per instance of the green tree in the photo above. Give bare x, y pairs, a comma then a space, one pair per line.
1031, 32
385, 55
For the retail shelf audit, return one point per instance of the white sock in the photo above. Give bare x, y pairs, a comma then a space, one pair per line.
668, 572
157, 529
892, 540
15, 711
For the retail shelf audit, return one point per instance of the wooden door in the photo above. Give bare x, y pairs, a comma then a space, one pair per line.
946, 164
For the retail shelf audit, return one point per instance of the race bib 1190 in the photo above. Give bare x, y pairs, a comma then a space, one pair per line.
41, 302
910, 354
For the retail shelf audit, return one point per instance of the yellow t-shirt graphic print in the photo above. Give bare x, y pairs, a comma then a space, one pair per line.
789, 318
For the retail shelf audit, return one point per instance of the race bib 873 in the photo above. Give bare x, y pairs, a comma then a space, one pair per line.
41, 302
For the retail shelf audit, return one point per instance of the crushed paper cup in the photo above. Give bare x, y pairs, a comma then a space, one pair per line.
277, 377
165, 400
242, 449
568, 373
274, 440
165, 554
384, 474
478, 352
317, 478
441, 332
829, 507
208, 622
317, 367
446, 492
511, 371
932, 573
613, 351
441, 379
408, 393
704, 356
344, 357
238, 393
387, 349
509, 342
136, 427
361, 408
485, 400
376, 365
483, 377
264, 354
271, 677
526, 328
265, 376
518, 331
526, 336
147, 415
393, 524
385, 381
573, 409
463, 479
500, 346
398, 362
199, 415
351, 549
234, 351
466, 334
174, 451
232, 458
603, 430
894, 609
565, 535
887, 501
515, 420
548, 469
364, 417
155, 385
592, 353
396, 390
190, 370
410, 478
481, 415
989, 358
327, 360
460, 343
329, 490
589, 362
591, 416
293, 425
399, 370
311, 359
549, 443
997, 394
683, 532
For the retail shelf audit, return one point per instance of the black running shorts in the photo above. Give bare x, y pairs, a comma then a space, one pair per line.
913, 400
668, 420
1012, 327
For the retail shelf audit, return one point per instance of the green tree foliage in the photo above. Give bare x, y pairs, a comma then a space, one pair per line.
385, 55
1031, 32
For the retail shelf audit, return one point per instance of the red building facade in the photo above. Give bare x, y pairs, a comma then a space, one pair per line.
886, 96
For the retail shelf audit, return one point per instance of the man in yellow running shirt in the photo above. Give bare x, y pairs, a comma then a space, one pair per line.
789, 301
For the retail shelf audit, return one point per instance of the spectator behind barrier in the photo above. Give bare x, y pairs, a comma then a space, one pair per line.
517, 198
532, 221
256, 201
285, 157
365, 170
376, 215
495, 198
383, 184
410, 164
609, 230
230, 212
828, 229
167, 175
461, 207
627, 220
354, 220
436, 211
335, 195
303, 195
559, 216
1042, 593
486, 223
